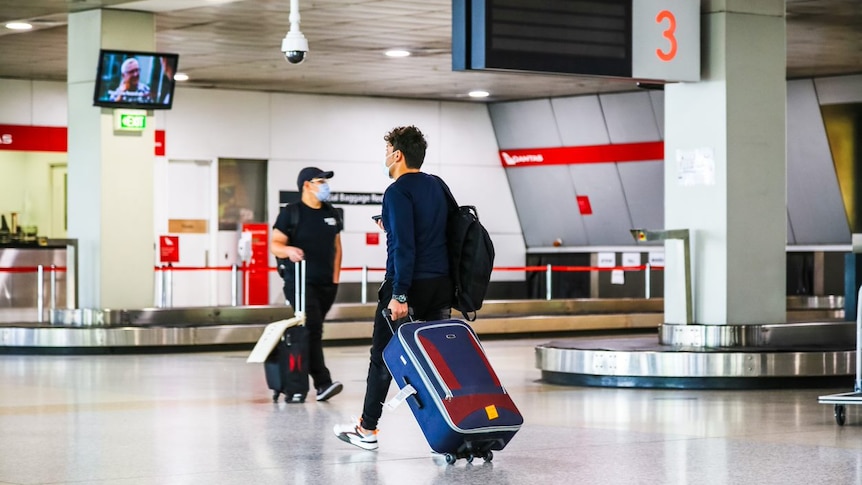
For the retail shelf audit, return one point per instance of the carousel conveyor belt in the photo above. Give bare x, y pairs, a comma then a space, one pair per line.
208, 328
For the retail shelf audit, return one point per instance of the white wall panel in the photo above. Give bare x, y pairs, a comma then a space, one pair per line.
813, 198
358, 253
49, 104
488, 190
509, 251
320, 128
643, 185
210, 123
159, 116
16, 99
467, 136
630, 117
609, 223
525, 124
657, 100
580, 121
839, 90
546, 206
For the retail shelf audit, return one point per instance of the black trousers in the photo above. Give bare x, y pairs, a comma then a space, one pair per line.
430, 299
318, 301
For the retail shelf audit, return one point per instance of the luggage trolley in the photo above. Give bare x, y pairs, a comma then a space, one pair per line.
855, 397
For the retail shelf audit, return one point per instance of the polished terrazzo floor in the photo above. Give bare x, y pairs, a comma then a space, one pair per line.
207, 418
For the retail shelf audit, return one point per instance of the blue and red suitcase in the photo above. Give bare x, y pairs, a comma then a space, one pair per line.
457, 398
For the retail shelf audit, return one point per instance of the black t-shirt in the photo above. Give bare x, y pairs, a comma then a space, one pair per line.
315, 235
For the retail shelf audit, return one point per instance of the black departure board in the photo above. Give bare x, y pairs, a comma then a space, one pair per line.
556, 36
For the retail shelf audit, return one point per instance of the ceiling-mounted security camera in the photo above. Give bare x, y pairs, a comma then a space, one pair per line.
294, 45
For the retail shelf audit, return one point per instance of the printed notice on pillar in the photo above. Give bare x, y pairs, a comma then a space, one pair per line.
695, 167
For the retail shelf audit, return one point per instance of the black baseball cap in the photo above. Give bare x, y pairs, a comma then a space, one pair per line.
309, 173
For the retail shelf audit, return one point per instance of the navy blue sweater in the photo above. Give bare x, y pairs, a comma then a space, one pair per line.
414, 216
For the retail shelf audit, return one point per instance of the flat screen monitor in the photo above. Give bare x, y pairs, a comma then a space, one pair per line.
128, 79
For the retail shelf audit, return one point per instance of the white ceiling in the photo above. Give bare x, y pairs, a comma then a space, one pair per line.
235, 44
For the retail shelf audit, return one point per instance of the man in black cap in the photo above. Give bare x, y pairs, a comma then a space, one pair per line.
309, 230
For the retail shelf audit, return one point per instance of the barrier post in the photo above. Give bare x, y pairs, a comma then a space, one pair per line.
53, 287
40, 280
245, 273
234, 286
548, 282
647, 280
169, 286
161, 280
364, 284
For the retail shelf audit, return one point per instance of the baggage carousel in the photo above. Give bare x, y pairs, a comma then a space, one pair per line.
805, 352
205, 328
597, 342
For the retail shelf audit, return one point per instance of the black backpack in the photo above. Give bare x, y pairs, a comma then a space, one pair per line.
471, 256
292, 221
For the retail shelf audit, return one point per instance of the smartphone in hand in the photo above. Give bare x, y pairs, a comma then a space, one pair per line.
376, 218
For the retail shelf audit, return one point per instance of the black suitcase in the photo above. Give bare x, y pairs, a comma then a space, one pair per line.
286, 365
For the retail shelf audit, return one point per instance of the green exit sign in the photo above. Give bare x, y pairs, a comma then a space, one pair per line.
130, 120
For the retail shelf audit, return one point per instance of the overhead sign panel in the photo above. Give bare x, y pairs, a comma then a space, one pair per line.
666, 40
640, 39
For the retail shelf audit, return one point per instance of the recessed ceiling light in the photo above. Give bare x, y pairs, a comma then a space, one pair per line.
478, 94
19, 26
397, 53
180, 76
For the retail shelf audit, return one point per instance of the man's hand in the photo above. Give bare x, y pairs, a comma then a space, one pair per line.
295, 254
399, 310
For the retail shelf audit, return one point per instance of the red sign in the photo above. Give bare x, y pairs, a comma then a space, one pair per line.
623, 152
372, 238
160, 143
256, 271
584, 205
33, 138
169, 249
25, 138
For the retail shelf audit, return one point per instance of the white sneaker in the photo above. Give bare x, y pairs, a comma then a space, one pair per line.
350, 433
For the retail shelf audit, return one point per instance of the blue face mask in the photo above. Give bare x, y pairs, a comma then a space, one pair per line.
322, 192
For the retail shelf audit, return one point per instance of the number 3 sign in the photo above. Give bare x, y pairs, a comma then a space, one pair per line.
666, 40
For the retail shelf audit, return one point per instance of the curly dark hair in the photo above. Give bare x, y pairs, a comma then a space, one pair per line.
410, 142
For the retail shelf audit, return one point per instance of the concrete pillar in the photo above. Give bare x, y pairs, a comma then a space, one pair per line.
110, 181
725, 169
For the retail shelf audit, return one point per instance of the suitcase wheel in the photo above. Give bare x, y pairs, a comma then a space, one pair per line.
296, 398
451, 458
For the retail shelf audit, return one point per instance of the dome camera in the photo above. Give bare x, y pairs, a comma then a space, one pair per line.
295, 47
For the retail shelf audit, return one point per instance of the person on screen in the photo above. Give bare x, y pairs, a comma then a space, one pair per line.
131, 88
164, 87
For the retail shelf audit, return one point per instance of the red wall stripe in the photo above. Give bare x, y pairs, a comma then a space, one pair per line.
26, 138
33, 138
622, 152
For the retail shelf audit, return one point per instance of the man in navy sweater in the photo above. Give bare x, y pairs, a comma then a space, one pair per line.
414, 213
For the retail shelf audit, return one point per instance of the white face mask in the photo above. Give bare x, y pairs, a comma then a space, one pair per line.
387, 166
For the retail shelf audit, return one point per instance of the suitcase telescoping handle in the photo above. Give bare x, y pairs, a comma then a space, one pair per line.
299, 287
387, 315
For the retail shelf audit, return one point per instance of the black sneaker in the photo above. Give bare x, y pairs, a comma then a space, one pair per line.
326, 392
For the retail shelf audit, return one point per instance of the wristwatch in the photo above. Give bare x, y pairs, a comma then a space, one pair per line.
400, 298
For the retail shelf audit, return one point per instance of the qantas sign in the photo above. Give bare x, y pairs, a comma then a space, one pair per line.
622, 152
